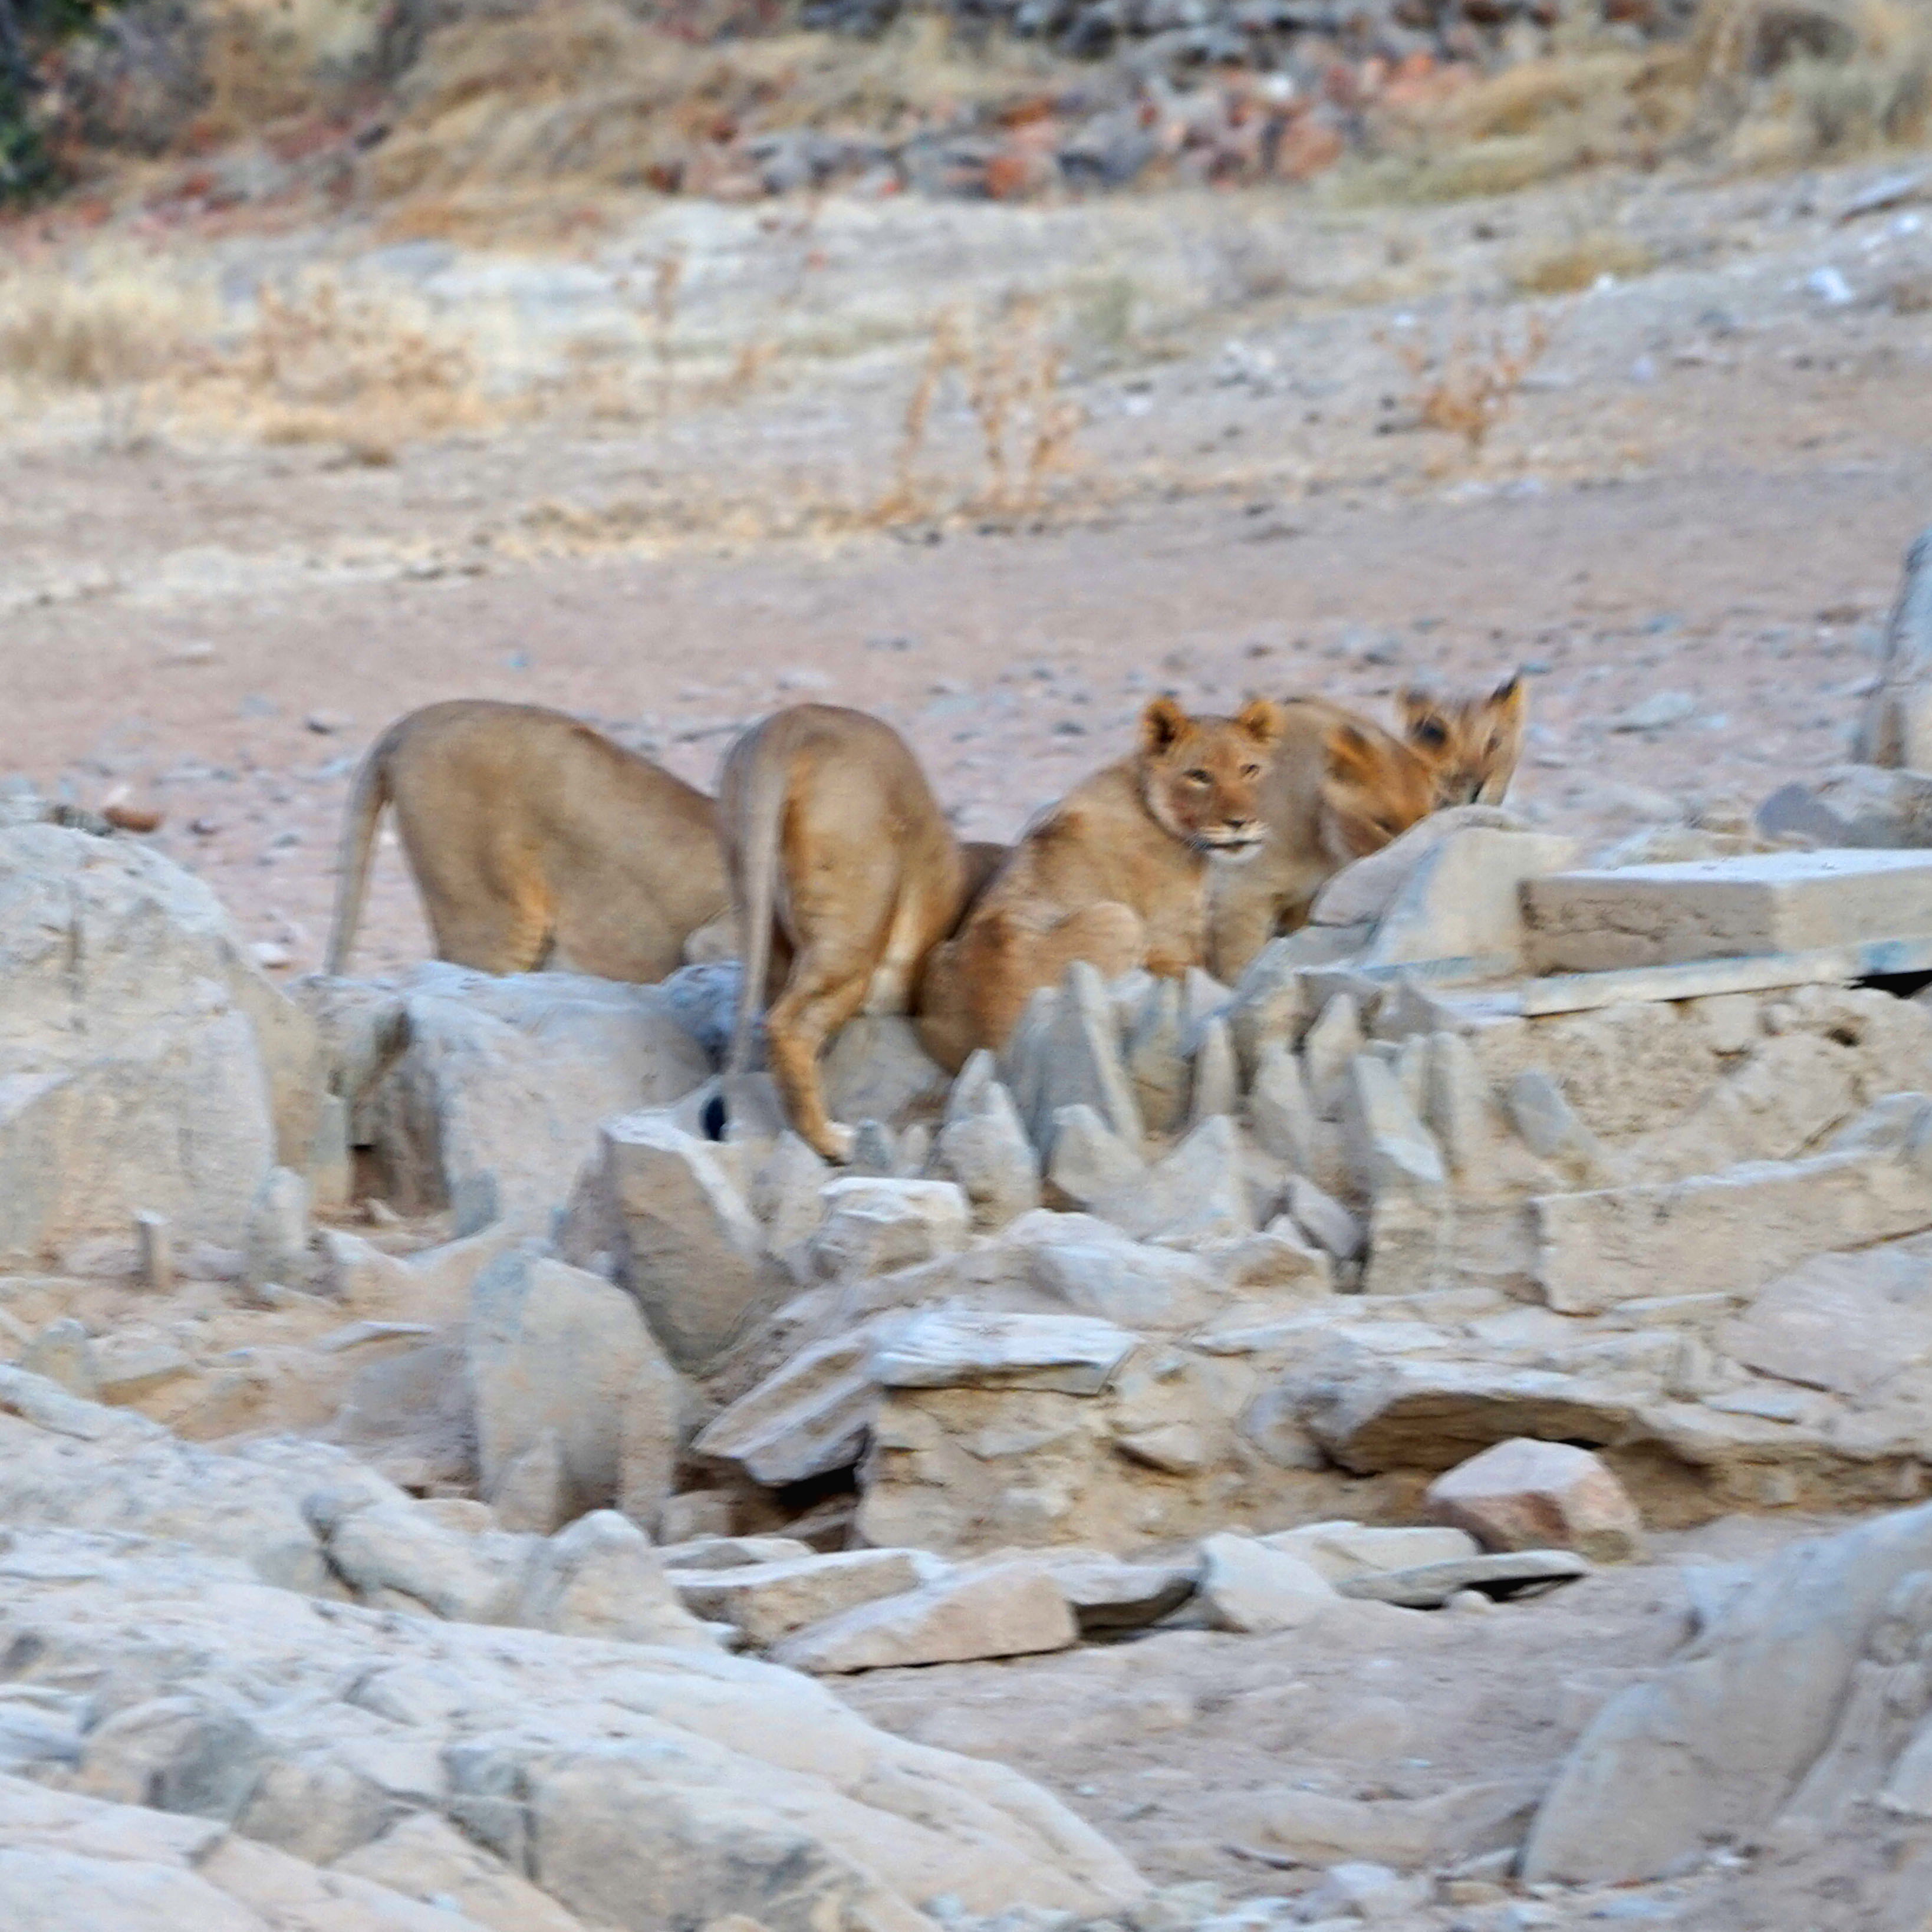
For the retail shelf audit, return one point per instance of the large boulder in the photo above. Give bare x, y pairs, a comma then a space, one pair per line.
1794, 1705
637, 1787
493, 1106
146, 1063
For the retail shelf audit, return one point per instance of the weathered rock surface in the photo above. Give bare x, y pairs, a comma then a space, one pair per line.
983, 1146
552, 1350
1528, 1572
873, 1225
1792, 1705
1525, 1494
494, 1104
643, 1787
1246, 1586
145, 1062
1896, 729
666, 1211
767, 1601
1003, 1610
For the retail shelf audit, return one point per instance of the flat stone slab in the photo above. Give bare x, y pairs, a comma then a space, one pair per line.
1519, 1573
1596, 921
964, 1347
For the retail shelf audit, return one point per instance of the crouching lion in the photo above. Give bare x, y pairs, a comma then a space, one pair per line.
535, 841
1115, 874
844, 875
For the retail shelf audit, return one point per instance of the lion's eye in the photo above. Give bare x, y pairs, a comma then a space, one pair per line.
1251, 771
1198, 776
1430, 732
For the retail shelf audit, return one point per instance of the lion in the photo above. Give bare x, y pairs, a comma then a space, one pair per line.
1339, 788
1472, 743
535, 841
845, 874
1115, 874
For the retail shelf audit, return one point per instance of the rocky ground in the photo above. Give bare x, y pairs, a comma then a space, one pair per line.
1688, 527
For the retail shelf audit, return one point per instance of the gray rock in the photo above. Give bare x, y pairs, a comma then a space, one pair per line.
1217, 1088
768, 1601
494, 1105
1108, 1595
278, 1245
1851, 806
962, 1348
1788, 1704
1077, 1061
666, 1208
1328, 1049
877, 1070
1199, 1193
1156, 1060
1325, 1220
552, 1350
1525, 1573
1283, 1115
62, 1352
601, 1578
873, 1225
1006, 1610
1896, 729
1245, 1585
1126, 1281
808, 1418
983, 1146
1526, 1494
1090, 1162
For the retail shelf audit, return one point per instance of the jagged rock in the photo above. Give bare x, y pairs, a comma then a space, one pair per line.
533, 1490
643, 1787
1245, 1585
1318, 1829
767, 1601
494, 1105
553, 1350
730, 1553
666, 1208
960, 1348
1199, 1193
1008, 1610
1358, 1889
276, 1245
387, 1549
1547, 1122
1216, 1089
873, 1225
1328, 1049
601, 1578
1282, 1114
1073, 1058
145, 1063
1324, 1219
1108, 1595
1527, 1494
808, 1419
1278, 1258
787, 1195
62, 1352
1527, 1573
1896, 728
983, 1146
1789, 1708
877, 1070
1390, 1149
1090, 1162
1273, 1003
1156, 1061
1362, 893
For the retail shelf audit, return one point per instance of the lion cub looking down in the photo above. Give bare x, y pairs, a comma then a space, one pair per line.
844, 875
1472, 744
1115, 874
1340, 787
534, 841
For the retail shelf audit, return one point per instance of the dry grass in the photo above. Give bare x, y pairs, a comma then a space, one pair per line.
1008, 371
1468, 379
1565, 267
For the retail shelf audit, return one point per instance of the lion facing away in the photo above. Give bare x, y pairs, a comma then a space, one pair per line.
534, 841
1472, 743
844, 875
1115, 874
1339, 788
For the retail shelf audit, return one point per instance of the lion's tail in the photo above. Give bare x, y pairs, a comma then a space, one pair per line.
366, 801
755, 879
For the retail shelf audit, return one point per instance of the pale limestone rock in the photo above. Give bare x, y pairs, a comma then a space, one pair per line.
420, 1857
956, 1347
1527, 1494
807, 1419
601, 1578
1005, 1610
1155, 1055
1428, 1586
767, 1601
1463, 901
1245, 1585
1279, 1108
1216, 1086
1325, 1220
1090, 1162
1340, 1549
983, 1146
873, 1225
1896, 728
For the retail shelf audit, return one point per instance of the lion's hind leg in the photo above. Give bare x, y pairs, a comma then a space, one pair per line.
827, 985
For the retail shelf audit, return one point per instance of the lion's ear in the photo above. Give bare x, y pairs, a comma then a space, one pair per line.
1163, 724
1511, 697
1417, 701
1351, 752
1263, 720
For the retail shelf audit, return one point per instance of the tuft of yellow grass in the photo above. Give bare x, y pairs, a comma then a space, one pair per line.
1578, 263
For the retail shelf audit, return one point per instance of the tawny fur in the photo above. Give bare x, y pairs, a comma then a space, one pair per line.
844, 875
535, 841
1471, 744
1339, 788
1116, 874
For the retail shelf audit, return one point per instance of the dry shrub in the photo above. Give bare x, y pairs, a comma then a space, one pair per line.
1580, 262
1468, 379
61, 329
1009, 372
